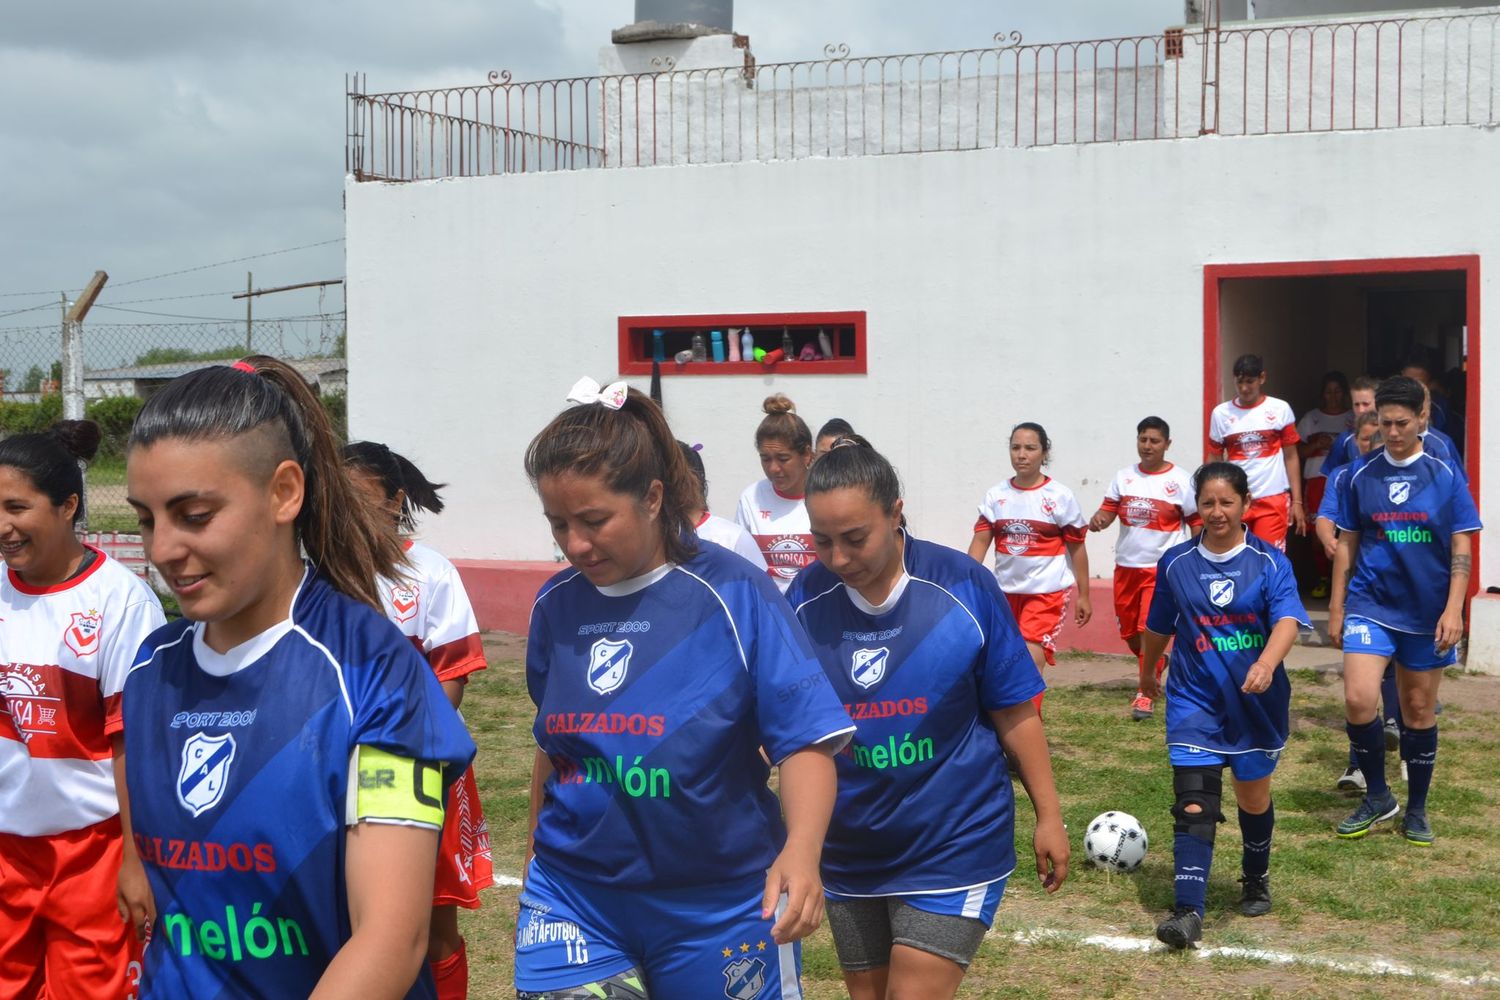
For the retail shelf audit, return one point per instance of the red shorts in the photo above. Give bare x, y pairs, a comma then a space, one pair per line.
1040, 618
1268, 516
59, 929
464, 862
1133, 589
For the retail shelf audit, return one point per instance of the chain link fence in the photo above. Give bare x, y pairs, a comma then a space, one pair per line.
125, 362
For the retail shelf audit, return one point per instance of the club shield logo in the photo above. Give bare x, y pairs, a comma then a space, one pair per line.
608, 664
744, 978
205, 771
867, 666
404, 599
82, 633
1400, 492
1221, 592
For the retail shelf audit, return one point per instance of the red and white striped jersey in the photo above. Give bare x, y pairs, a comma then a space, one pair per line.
1318, 422
1032, 528
1253, 439
1154, 508
64, 654
780, 527
432, 609
722, 531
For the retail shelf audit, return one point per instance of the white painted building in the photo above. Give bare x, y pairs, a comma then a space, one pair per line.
1060, 244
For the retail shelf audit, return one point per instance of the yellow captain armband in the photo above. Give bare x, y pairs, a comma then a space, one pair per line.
386, 788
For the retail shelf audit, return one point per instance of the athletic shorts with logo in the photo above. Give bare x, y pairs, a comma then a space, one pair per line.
1413, 650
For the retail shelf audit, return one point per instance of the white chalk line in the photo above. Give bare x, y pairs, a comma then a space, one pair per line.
1370, 967
1119, 943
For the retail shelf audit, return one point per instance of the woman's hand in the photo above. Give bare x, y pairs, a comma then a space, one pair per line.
1259, 677
133, 895
1051, 844
795, 873
1336, 627
1450, 629
1085, 609
1147, 682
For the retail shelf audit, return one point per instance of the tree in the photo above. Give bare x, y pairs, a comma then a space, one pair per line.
33, 380
169, 355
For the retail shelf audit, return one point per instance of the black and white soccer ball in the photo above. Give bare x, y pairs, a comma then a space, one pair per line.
1115, 841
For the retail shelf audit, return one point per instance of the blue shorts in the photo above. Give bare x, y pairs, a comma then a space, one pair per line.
1251, 765
978, 903
698, 942
1413, 650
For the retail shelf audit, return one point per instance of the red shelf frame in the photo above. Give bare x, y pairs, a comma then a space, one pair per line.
639, 363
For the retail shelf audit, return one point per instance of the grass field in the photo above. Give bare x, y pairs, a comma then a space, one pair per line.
1436, 911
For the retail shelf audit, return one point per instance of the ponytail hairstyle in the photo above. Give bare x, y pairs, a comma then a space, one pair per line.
1230, 473
50, 459
629, 448
853, 463
781, 423
695, 465
396, 474
1041, 436
836, 427
347, 536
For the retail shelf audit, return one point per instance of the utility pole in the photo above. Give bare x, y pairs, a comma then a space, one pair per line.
250, 293
72, 366
249, 298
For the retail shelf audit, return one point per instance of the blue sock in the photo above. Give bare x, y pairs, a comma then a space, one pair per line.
1353, 758
1192, 857
1256, 831
1368, 743
1390, 698
1419, 750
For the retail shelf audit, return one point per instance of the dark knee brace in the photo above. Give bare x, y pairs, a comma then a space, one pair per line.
1204, 788
626, 985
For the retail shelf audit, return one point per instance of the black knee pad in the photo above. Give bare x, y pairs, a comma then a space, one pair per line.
625, 985
1204, 788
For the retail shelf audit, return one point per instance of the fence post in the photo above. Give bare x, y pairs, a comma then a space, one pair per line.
72, 370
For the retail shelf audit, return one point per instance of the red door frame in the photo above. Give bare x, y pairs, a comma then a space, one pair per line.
1215, 274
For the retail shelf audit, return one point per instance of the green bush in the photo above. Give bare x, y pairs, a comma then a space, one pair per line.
337, 407
26, 418
115, 415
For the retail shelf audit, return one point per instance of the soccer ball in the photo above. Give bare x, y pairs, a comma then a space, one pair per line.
1115, 841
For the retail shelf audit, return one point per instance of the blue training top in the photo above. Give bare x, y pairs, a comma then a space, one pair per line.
1407, 513
1345, 452
1221, 608
924, 803
238, 766
654, 697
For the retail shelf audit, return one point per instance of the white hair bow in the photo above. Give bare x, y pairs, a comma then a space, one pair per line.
586, 391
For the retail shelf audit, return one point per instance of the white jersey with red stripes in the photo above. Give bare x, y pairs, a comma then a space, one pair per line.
431, 608
64, 654
1154, 509
1032, 528
1253, 438
722, 531
1318, 422
780, 528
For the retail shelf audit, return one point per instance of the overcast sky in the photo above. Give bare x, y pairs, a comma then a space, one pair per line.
151, 136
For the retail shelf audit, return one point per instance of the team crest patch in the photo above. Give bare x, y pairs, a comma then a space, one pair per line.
608, 662
1400, 492
1221, 592
205, 771
1017, 537
868, 666
1172, 489
744, 978
82, 633
1138, 512
404, 600
1049, 505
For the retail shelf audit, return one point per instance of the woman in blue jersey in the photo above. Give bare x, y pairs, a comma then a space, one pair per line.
1229, 599
1401, 576
661, 866
288, 750
918, 642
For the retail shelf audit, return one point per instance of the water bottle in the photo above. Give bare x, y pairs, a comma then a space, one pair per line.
787, 349
658, 352
700, 349
747, 344
734, 344
683, 357
825, 344
718, 342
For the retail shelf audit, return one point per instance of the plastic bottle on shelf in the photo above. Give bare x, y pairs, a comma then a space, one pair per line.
734, 344
717, 338
788, 349
683, 357
658, 352
700, 349
772, 357
747, 345
825, 344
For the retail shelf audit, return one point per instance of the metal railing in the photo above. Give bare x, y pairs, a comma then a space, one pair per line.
1281, 78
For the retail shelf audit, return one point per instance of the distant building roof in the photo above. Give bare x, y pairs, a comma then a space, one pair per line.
311, 369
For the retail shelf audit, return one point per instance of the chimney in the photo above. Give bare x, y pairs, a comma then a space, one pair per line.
676, 20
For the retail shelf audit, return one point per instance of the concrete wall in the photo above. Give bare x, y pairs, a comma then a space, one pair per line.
1060, 284
1312, 8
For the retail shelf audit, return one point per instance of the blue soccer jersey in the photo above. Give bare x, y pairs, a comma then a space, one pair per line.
1407, 513
1221, 609
924, 801
1328, 507
1345, 452
654, 697
239, 771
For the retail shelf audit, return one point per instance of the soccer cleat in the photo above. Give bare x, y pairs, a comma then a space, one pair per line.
1181, 929
1140, 708
1416, 829
1255, 897
1352, 780
1320, 589
1392, 736
1367, 815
